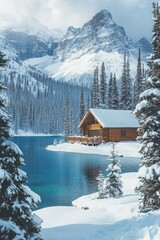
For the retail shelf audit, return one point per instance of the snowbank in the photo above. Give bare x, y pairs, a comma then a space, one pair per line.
103, 219
126, 149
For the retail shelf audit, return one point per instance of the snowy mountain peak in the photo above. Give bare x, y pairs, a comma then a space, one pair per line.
82, 49
99, 33
103, 16
79, 51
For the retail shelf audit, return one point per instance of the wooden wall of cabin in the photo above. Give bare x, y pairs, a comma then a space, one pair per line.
116, 134
112, 134
104, 134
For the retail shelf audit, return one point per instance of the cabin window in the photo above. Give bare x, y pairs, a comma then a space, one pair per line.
123, 133
93, 133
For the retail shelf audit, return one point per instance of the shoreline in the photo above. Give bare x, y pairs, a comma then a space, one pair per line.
124, 149
36, 135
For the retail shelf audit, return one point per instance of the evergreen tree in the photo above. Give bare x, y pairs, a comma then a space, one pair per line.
138, 81
71, 122
113, 184
143, 73
103, 87
110, 92
100, 179
88, 104
148, 113
16, 199
67, 118
115, 96
128, 87
81, 105
95, 90
123, 95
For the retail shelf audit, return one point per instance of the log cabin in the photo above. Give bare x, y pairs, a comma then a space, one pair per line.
110, 125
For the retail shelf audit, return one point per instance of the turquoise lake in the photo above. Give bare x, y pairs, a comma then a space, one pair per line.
60, 177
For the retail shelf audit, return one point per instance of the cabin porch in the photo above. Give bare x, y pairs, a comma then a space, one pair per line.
90, 141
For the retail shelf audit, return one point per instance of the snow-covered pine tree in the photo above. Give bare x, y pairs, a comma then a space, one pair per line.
100, 180
148, 113
95, 90
123, 93
143, 73
16, 199
71, 122
67, 126
115, 95
102, 103
81, 105
88, 104
128, 86
138, 81
113, 182
110, 92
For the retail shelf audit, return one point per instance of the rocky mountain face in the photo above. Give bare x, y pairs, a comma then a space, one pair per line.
30, 46
100, 33
74, 56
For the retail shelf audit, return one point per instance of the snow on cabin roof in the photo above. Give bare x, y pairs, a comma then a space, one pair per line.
114, 118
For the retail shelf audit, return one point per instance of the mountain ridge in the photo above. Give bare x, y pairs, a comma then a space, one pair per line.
74, 56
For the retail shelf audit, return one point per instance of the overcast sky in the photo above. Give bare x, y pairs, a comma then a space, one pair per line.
134, 15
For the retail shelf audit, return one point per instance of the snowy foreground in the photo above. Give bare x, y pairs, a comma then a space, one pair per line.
105, 219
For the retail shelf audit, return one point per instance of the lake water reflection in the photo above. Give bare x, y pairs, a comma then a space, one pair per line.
60, 177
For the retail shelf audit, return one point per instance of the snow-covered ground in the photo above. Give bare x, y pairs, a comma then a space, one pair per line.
101, 219
104, 219
126, 149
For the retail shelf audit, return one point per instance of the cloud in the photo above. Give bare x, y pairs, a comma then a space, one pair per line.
134, 15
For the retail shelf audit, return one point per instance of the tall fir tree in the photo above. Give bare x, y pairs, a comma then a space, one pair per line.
113, 183
16, 199
148, 113
95, 90
115, 95
67, 126
143, 73
138, 81
128, 86
123, 93
88, 103
103, 88
110, 92
81, 105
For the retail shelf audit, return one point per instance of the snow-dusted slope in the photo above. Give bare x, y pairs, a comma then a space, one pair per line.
16, 70
81, 69
82, 49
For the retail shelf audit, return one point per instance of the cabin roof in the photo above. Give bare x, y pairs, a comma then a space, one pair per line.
113, 118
